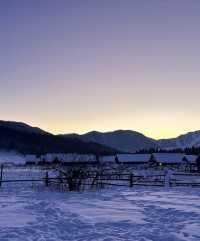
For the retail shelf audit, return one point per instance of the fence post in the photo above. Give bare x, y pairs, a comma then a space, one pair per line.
131, 180
1, 176
47, 179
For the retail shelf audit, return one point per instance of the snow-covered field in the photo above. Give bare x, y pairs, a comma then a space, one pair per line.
111, 214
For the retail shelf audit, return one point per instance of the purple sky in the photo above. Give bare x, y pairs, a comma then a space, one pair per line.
80, 65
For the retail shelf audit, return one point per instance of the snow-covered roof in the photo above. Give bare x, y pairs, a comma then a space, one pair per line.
173, 157
170, 158
140, 158
108, 159
191, 158
79, 158
31, 158
71, 157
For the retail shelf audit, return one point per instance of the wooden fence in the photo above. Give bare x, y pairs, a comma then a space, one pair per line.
114, 179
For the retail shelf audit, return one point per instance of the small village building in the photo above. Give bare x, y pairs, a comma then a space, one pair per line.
190, 163
79, 159
134, 159
108, 160
169, 159
68, 158
176, 160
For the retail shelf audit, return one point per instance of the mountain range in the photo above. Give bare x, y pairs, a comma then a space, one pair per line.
27, 139
131, 141
32, 140
122, 140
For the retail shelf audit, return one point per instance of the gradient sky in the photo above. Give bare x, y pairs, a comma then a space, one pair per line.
81, 65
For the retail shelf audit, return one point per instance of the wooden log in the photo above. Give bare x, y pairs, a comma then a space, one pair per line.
131, 180
1, 176
47, 179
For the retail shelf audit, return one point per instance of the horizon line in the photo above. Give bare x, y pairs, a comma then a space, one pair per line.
95, 130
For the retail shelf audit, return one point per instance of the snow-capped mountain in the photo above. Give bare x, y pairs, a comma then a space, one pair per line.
124, 140
187, 140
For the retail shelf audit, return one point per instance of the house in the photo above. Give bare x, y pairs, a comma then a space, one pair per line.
169, 159
190, 163
177, 160
108, 159
68, 158
134, 159
77, 159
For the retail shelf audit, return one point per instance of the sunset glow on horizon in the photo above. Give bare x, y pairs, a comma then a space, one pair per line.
78, 66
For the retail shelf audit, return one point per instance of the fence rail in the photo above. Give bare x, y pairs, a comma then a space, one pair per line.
111, 179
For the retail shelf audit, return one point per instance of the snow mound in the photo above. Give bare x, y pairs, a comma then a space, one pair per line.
11, 157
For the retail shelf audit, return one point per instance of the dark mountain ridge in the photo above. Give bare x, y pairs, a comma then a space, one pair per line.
123, 140
27, 139
20, 126
40, 142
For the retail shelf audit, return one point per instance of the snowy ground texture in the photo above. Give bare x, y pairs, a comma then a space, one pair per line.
111, 215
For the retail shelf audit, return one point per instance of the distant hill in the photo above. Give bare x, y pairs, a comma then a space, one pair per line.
131, 141
19, 126
26, 139
191, 139
124, 140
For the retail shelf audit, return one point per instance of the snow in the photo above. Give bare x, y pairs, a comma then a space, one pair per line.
191, 158
16, 158
160, 157
131, 214
108, 159
13, 213
11, 157
104, 211
173, 157
169, 157
108, 215
134, 157
71, 157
